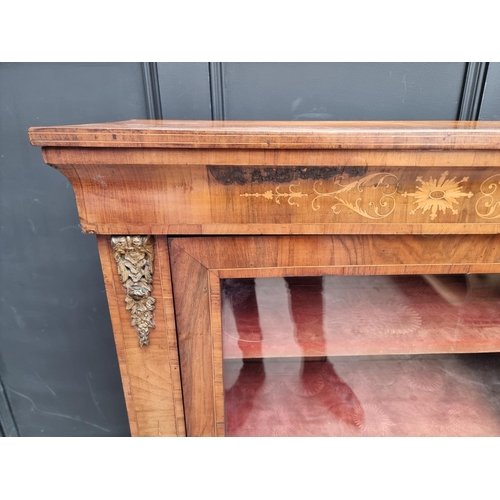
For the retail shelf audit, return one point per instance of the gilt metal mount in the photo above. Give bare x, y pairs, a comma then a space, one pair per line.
134, 260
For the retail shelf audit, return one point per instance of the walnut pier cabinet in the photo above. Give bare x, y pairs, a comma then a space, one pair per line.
296, 278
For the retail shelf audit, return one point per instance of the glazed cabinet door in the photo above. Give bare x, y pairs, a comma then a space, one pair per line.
339, 335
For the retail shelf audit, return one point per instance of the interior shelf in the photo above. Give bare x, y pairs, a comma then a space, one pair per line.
360, 315
447, 395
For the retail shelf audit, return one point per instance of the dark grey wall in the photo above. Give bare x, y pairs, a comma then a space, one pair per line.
58, 368
342, 91
57, 356
185, 91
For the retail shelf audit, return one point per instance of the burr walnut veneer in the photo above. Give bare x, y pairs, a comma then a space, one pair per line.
194, 219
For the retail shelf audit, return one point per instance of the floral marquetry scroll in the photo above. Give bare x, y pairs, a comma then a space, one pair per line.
134, 260
347, 195
385, 184
379, 195
438, 194
487, 207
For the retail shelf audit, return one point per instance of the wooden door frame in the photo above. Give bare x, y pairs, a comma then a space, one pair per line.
199, 263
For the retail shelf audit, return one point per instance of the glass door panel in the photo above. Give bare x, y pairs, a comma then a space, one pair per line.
362, 355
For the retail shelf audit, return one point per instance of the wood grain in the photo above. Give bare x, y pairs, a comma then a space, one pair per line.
239, 177
192, 310
150, 375
216, 331
321, 199
470, 157
260, 252
273, 135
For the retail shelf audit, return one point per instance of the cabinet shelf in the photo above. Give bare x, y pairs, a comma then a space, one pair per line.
361, 315
451, 395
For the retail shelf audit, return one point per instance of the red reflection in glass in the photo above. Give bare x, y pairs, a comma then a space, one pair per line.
334, 394
362, 356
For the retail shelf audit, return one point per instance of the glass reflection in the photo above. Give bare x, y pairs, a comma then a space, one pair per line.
361, 355
336, 396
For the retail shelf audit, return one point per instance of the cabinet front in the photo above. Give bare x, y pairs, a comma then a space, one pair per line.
339, 335
361, 297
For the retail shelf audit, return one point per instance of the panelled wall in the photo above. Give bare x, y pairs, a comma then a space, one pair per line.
58, 368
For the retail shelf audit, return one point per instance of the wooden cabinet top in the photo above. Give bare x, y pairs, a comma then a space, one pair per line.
441, 135
203, 177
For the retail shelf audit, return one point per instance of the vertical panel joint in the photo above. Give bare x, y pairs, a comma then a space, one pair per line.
216, 76
473, 91
152, 90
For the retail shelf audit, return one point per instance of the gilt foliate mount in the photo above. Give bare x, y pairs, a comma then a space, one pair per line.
134, 257
375, 196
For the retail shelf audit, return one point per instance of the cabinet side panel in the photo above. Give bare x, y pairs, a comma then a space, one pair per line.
150, 374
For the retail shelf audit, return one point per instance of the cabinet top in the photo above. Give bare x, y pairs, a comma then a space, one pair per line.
437, 135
